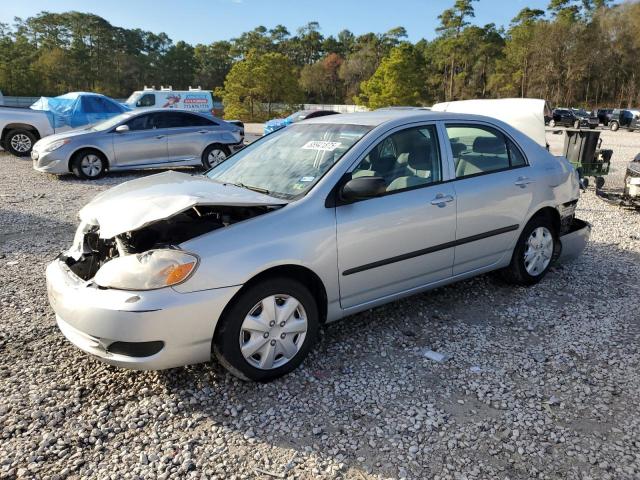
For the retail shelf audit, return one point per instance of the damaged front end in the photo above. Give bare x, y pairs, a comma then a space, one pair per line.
149, 257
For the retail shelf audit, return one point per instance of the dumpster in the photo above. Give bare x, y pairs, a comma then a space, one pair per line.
582, 149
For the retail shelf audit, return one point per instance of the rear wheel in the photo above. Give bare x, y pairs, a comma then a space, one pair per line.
20, 142
88, 165
533, 253
576, 124
552, 123
268, 330
614, 126
214, 155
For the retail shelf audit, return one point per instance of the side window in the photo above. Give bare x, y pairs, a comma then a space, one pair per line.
515, 155
191, 120
147, 100
168, 120
181, 119
141, 122
405, 159
478, 150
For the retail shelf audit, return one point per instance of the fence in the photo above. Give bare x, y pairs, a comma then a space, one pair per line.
10, 101
18, 101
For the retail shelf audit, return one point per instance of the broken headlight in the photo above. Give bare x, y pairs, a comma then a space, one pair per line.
147, 271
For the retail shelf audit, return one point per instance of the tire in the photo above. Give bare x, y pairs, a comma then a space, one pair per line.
88, 164
19, 142
614, 126
552, 123
214, 155
519, 272
576, 124
242, 323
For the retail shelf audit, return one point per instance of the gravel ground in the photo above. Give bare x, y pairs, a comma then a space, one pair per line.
542, 382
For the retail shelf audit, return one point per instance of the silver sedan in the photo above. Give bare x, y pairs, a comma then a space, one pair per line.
141, 139
310, 224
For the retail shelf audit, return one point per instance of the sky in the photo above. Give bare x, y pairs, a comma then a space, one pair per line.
204, 21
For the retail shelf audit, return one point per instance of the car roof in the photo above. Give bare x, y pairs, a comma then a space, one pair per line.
379, 117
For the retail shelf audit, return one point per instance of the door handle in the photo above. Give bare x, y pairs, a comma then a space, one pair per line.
159, 136
203, 131
522, 182
441, 200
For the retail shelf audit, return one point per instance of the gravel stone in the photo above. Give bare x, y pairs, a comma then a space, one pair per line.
347, 412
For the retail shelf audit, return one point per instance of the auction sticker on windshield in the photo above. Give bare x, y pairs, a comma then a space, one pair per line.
321, 145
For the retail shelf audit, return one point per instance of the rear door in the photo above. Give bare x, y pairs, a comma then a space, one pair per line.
402, 240
188, 134
493, 186
142, 145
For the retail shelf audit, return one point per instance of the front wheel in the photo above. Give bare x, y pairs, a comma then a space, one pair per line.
88, 165
552, 123
614, 126
214, 155
576, 124
268, 330
533, 253
20, 142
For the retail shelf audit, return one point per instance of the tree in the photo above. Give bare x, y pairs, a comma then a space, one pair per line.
213, 63
358, 67
321, 80
179, 65
255, 80
452, 21
397, 81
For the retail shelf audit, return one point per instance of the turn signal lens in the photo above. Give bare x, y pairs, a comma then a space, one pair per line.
177, 273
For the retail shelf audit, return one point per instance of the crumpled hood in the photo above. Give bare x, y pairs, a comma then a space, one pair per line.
138, 203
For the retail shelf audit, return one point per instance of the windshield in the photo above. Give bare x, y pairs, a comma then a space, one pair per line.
133, 98
289, 162
110, 123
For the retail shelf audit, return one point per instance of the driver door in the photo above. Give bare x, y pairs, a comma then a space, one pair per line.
142, 145
401, 240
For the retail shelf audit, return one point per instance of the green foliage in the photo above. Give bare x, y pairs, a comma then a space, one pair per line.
577, 52
256, 81
397, 81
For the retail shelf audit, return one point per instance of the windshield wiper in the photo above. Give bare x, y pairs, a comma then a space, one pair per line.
251, 187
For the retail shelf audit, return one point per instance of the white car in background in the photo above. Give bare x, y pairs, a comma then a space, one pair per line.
194, 99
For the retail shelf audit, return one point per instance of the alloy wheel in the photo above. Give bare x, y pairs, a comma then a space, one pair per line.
21, 143
538, 251
91, 165
273, 331
216, 156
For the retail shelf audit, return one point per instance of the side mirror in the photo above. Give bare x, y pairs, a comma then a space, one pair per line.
363, 187
122, 128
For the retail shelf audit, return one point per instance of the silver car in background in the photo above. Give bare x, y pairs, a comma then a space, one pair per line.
151, 138
315, 222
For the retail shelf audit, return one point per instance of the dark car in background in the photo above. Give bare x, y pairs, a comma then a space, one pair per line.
278, 123
604, 115
622, 118
572, 117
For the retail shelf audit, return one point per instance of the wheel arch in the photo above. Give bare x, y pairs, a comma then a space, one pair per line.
551, 213
18, 126
87, 149
302, 274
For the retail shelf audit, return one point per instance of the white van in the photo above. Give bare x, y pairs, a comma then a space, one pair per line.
194, 99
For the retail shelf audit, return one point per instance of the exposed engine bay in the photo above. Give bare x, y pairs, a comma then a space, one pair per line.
90, 252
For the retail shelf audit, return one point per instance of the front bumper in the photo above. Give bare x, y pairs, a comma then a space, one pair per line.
50, 162
234, 147
94, 319
575, 240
